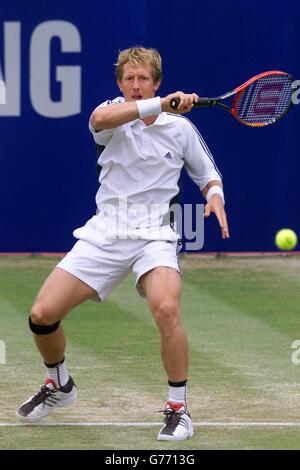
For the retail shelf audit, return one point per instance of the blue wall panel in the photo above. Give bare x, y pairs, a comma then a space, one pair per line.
48, 179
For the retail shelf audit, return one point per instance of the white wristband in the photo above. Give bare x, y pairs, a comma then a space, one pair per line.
215, 190
149, 107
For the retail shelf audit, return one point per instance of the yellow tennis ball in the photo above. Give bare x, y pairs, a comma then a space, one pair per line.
286, 239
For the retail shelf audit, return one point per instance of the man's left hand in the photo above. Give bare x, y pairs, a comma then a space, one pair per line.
216, 206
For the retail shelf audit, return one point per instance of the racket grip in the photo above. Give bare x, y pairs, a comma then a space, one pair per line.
175, 103
202, 102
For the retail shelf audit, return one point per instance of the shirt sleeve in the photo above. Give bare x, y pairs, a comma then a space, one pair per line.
103, 136
199, 162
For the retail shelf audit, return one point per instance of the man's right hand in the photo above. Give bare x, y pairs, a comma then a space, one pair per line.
186, 102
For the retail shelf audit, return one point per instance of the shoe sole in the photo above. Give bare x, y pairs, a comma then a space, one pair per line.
167, 437
35, 419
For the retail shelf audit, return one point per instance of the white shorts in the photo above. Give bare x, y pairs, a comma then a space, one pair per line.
102, 267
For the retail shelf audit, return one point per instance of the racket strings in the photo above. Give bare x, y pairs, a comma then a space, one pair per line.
265, 100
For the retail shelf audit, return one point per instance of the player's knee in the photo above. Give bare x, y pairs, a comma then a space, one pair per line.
41, 320
167, 316
40, 329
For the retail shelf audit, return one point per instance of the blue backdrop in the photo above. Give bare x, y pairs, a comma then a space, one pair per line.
56, 73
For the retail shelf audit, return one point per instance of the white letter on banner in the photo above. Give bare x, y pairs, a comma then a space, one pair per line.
69, 76
2, 90
10, 95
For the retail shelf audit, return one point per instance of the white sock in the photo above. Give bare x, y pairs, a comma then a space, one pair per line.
177, 392
58, 372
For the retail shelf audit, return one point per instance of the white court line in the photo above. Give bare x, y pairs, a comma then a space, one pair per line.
211, 424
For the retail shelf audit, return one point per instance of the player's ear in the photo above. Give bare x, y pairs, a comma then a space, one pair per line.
119, 85
157, 85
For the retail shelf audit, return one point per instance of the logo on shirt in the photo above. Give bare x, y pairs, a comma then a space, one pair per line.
168, 155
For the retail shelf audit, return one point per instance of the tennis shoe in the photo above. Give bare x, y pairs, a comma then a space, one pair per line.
178, 424
46, 400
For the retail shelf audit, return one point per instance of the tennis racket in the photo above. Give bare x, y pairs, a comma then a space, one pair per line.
262, 100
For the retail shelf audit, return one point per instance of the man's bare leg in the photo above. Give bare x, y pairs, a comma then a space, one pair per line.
162, 287
60, 293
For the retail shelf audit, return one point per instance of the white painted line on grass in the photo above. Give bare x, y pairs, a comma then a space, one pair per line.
212, 424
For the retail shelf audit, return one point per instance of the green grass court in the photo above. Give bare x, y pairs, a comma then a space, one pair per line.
242, 316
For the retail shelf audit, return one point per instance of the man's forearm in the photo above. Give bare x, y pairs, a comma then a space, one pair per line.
115, 115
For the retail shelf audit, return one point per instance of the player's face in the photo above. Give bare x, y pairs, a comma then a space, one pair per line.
137, 83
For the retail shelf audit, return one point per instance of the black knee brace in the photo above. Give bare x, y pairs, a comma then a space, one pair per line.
43, 329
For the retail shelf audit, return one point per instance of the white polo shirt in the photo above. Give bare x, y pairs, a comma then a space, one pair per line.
140, 169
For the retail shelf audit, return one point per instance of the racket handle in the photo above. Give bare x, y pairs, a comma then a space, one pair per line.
202, 102
175, 103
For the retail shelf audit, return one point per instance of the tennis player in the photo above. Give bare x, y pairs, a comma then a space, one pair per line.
142, 146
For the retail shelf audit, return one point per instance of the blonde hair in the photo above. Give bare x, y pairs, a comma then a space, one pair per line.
139, 55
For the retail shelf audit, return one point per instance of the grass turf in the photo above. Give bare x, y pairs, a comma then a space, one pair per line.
241, 315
